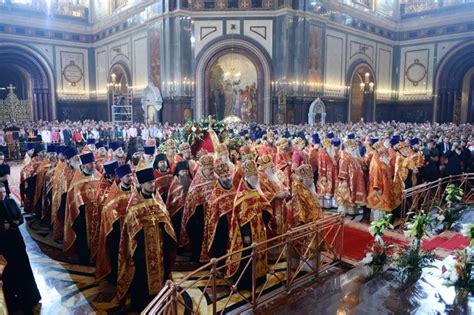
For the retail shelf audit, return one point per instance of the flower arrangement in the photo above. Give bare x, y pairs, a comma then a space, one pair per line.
457, 271
376, 255
193, 131
412, 259
453, 211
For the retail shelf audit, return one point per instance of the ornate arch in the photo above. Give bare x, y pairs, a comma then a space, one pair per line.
151, 96
351, 72
449, 78
317, 107
237, 45
44, 84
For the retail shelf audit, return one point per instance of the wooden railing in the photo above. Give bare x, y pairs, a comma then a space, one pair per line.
3, 303
299, 256
428, 195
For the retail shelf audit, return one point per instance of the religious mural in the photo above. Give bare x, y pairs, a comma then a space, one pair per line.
155, 55
233, 88
314, 55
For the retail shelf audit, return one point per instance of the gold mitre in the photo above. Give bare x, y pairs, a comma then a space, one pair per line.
326, 143
282, 142
350, 143
221, 149
221, 169
401, 145
265, 162
184, 146
304, 171
250, 168
207, 161
378, 146
246, 150
298, 142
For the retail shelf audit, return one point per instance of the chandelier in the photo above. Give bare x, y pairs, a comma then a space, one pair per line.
367, 86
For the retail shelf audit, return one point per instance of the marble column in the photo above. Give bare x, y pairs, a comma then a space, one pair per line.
45, 105
35, 105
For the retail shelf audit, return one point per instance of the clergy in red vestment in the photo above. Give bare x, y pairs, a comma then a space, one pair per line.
195, 207
218, 214
327, 172
185, 154
100, 156
82, 214
147, 245
222, 154
251, 216
28, 176
113, 214
380, 190
304, 203
299, 156
283, 159
177, 193
62, 179
163, 176
271, 184
351, 192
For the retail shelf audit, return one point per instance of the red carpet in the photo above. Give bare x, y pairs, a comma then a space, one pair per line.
453, 243
357, 240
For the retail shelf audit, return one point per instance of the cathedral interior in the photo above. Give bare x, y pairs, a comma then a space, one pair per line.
269, 62
376, 60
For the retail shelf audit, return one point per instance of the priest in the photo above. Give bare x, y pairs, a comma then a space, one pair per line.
304, 203
113, 214
272, 186
251, 215
82, 215
195, 207
177, 193
147, 245
63, 175
163, 175
218, 214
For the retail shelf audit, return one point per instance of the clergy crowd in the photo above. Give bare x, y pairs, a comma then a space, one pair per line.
130, 205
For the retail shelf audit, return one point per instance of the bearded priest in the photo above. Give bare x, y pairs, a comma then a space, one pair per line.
251, 216
219, 213
147, 244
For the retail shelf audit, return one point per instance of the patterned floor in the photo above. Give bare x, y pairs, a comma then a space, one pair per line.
69, 288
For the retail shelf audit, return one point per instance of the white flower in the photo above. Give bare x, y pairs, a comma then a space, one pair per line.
367, 259
453, 276
193, 129
441, 217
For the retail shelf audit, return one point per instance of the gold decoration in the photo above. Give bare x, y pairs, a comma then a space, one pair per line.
13, 109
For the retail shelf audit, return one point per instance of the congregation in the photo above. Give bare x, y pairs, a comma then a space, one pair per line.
128, 198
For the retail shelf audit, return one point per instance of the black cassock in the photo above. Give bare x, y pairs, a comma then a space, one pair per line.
21, 292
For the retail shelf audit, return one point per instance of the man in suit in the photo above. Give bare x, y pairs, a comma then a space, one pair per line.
443, 148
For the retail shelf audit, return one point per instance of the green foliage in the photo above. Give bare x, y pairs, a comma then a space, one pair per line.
412, 259
453, 194
468, 231
453, 211
420, 225
378, 227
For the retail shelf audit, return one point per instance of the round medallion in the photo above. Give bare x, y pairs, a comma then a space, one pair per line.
416, 72
72, 73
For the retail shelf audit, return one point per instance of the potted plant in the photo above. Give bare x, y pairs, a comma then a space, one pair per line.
376, 255
453, 211
412, 258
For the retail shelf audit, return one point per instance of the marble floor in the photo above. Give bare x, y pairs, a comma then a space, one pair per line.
359, 292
